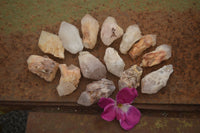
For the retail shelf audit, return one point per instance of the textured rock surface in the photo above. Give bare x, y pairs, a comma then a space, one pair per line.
69, 79
70, 37
90, 29
162, 52
131, 77
42, 66
156, 80
114, 62
131, 35
110, 31
96, 90
91, 67
51, 43
144, 43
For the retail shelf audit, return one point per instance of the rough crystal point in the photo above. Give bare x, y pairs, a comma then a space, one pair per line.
131, 77
90, 29
96, 90
162, 52
131, 35
110, 31
144, 43
91, 67
156, 80
70, 38
69, 79
114, 62
44, 67
51, 43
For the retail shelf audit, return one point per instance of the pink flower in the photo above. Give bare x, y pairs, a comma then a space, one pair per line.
122, 109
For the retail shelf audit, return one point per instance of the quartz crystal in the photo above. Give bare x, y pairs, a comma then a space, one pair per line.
156, 80
131, 35
110, 31
131, 77
162, 52
51, 43
70, 38
42, 66
69, 80
90, 29
144, 43
96, 90
114, 62
91, 67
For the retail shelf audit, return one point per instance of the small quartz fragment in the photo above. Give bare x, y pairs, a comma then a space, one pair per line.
110, 31
90, 29
131, 77
114, 62
70, 37
96, 90
156, 80
144, 43
91, 67
162, 52
131, 35
69, 79
51, 43
42, 66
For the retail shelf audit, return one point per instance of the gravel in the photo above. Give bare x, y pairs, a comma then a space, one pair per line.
13, 122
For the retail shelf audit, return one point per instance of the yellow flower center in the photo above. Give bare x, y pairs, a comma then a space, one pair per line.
119, 105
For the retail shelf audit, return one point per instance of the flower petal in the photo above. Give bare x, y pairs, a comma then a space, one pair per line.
126, 95
103, 102
132, 117
120, 115
109, 112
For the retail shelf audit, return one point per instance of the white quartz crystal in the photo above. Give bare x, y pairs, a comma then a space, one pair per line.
131, 35
70, 37
51, 43
90, 29
110, 31
91, 67
156, 80
96, 90
114, 62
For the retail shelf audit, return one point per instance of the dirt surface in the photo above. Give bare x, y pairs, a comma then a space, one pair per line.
178, 29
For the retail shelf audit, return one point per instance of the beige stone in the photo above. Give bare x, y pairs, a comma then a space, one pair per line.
161, 53
131, 77
144, 43
42, 66
96, 90
51, 43
69, 80
90, 29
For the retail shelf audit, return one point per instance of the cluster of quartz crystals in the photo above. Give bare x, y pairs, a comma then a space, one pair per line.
92, 68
